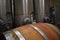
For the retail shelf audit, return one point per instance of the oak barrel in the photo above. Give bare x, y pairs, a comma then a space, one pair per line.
36, 31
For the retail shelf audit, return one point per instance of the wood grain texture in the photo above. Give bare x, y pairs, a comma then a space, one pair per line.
30, 33
48, 31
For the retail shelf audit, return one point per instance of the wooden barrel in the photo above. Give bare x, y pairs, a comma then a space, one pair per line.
36, 31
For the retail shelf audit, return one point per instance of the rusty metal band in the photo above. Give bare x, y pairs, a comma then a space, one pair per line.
19, 35
8, 35
40, 31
